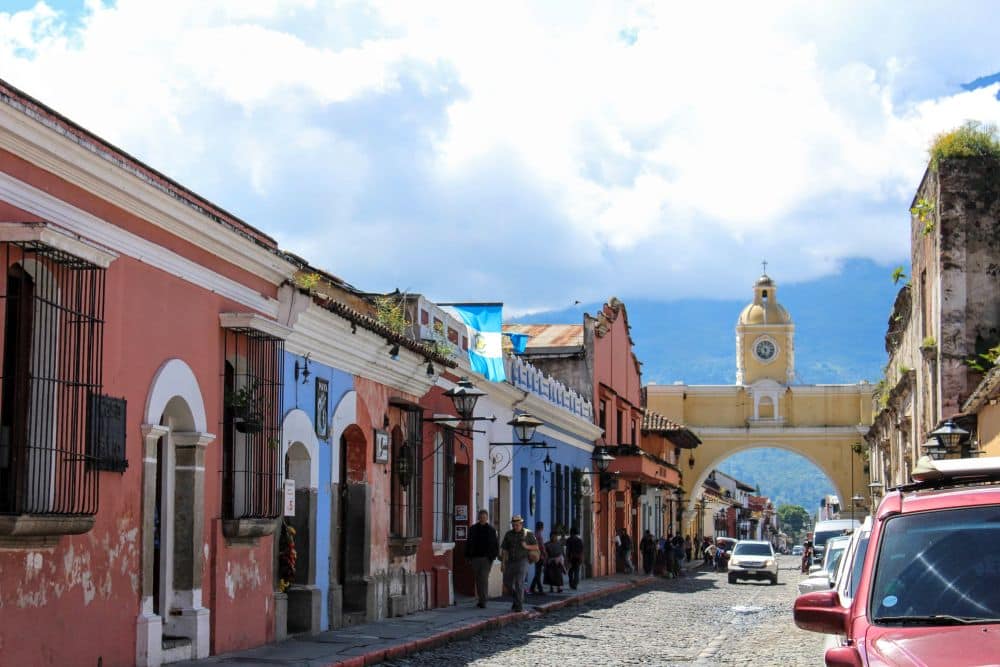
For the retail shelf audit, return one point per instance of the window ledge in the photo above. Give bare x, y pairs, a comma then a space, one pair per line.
441, 548
247, 531
31, 531
403, 546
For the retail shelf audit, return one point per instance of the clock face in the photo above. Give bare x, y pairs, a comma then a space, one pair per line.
764, 349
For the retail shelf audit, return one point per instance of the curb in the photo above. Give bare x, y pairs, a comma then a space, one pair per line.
494, 623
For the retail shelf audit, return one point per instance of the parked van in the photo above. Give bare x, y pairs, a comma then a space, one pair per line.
824, 530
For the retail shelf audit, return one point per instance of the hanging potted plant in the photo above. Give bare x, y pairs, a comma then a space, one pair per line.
247, 409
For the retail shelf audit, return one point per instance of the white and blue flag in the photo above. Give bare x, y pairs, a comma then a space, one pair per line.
485, 324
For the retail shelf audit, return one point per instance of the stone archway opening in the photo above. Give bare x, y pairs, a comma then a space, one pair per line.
173, 624
303, 596
783, 474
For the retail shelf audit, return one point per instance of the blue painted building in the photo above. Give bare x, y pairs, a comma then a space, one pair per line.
312, 392
552, 485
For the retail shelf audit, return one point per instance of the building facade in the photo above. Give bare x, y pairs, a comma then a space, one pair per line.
942, 320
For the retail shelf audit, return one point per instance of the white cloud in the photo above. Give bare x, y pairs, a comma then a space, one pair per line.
538, 151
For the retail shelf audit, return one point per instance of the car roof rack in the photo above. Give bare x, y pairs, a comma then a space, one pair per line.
935, 474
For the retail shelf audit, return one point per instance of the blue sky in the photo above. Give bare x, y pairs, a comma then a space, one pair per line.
538, 154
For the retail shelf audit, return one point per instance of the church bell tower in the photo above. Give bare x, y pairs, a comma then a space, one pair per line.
765, 338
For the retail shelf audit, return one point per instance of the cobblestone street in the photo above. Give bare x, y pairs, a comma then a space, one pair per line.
699, 619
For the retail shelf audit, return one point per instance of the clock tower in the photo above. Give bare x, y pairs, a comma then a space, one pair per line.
765, 338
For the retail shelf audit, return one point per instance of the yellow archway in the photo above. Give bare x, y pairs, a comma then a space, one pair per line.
767, 408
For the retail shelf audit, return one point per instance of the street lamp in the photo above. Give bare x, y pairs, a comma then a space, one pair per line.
464, 395
602, 459
946, 438
524, 426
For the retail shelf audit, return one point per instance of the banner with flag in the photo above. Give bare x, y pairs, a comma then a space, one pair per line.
485, 324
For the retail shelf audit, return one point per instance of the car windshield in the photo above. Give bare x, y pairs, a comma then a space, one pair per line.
833, 559
751, 549
939, 565
823, 536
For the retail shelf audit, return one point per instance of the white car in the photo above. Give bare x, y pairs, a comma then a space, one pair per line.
797, 550
823, 577
752, 559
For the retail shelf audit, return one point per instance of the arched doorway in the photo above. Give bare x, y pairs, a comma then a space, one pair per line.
783, 474
173, 624
354, 527
301, 465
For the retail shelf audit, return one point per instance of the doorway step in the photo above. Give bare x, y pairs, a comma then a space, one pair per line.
176, 649
352, 618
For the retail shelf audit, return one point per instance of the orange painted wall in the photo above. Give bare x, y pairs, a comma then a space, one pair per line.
79, 601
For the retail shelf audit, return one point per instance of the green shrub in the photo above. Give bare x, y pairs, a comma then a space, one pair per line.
970, 139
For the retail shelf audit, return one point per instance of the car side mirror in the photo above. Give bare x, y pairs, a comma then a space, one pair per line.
843, 656
820, 612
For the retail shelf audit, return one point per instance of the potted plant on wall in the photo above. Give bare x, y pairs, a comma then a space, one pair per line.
247, 408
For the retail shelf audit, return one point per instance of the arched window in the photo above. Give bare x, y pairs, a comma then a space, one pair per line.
765, 409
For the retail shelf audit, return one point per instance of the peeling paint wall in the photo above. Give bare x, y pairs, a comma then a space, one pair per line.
79, 600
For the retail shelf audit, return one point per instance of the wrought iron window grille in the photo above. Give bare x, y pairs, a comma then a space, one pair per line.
407, 477
252, 381
52, 365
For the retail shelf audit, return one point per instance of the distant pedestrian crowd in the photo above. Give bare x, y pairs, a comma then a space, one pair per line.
530, 563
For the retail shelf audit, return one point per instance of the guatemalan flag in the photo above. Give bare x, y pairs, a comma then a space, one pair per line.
485, 324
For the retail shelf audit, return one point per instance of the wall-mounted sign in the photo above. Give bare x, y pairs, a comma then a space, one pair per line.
289, 497
461, 514
322, 409
461, 533
381, 446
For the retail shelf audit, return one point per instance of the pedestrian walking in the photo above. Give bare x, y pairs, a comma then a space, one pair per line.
536, 580
555, 564
678, 549
625, 548
648, 548
481, 549
687, 547
574, 556
710, 556
660, 569
807, 553
518, 547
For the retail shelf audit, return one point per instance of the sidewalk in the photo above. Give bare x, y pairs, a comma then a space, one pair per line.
371, 643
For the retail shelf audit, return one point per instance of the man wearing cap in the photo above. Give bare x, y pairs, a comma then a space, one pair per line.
516, 545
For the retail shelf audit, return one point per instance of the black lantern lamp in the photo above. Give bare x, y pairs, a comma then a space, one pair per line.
303, 369
464, 396
691, 461
547, 463
602, 459
404, 465
524, 426
946, 437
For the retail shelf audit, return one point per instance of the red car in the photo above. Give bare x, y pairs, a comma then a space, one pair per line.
929, 588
